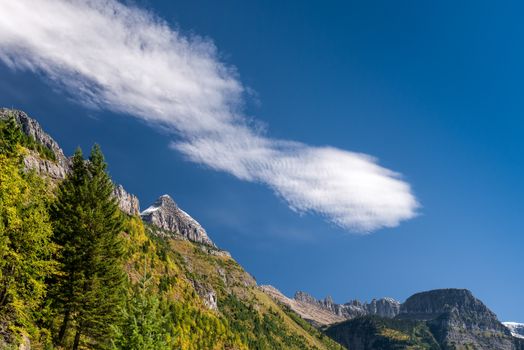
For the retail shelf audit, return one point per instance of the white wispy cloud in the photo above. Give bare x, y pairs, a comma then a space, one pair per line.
128, 60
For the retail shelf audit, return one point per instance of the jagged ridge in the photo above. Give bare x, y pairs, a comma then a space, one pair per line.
324, 312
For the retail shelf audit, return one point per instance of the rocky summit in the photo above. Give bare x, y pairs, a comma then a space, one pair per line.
167, 216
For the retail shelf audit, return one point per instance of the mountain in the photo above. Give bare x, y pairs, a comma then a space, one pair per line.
454, 318
516, 329
199, 297
204, 299
166, 215
457, 318
325, 312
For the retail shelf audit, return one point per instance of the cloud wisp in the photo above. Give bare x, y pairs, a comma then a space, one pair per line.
127, 60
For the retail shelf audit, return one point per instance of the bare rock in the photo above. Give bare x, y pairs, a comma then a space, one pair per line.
127, 202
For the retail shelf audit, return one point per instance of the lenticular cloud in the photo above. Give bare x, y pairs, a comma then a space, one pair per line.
127, 60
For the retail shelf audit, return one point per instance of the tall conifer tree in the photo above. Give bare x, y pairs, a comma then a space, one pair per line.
87, 226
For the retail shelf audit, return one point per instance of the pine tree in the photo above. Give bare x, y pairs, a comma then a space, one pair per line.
87, 226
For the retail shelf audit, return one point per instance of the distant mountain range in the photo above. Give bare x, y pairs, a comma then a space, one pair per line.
437, 319
205, 278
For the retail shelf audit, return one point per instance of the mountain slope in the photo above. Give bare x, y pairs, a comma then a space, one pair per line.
202, 298
377, 333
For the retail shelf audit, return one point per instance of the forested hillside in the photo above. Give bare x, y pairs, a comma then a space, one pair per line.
76, 272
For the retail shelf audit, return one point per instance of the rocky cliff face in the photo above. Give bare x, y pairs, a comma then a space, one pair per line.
324, 312
166, 215
56, 170
127, 202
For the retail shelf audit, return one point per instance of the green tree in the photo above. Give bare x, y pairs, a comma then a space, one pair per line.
144, 324
88, 223
25, 236
10, 136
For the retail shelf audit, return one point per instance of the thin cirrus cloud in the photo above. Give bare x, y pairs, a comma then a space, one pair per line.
127, 60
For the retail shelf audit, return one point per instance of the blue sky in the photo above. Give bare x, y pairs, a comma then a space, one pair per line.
433, 91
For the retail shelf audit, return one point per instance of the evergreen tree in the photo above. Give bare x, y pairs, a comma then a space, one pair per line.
144, 324
87, 226
10, 136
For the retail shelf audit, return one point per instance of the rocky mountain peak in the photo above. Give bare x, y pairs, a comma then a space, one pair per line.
165, 214
455, 316
432, 304
385, 307
304, 297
